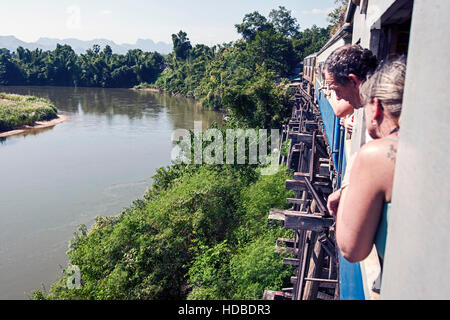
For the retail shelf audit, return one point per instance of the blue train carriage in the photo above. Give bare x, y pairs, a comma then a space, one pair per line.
384, 26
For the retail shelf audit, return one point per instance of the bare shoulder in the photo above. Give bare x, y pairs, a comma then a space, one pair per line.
380, 150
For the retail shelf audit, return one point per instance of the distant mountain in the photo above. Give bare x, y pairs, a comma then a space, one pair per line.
80, 46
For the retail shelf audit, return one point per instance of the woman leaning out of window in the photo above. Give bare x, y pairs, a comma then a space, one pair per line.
362, 215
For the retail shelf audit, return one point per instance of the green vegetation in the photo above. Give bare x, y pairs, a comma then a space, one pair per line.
191, 236
17, 111
201, 231
243, 78
95, 68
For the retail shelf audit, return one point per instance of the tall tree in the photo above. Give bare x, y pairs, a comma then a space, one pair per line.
251, 24
181, 45
283, 22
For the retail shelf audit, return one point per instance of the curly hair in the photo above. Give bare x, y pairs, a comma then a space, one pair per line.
350, 59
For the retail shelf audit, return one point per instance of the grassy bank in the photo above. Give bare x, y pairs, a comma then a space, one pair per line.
17, 111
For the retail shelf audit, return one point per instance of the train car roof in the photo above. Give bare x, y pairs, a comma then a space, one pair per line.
312, 55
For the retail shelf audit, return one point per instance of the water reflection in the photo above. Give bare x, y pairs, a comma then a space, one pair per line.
95, 163
110, 102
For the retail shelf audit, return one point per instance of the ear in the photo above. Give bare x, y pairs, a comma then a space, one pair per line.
378, 109
354, 79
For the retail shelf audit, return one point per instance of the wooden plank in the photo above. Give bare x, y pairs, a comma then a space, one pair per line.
331, 283
301, 271
322, 207
275, 295
300, 185
269, 295
324, 296
324, 169
291, 261
316, 261
301, 175
302, 137
295, 220
288, 242
276, 214
298, 201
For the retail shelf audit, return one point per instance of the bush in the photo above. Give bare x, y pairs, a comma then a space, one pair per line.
17, 111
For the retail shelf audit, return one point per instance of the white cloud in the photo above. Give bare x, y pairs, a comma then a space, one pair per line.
318, 11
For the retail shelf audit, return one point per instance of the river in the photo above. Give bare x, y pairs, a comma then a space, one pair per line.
94, 164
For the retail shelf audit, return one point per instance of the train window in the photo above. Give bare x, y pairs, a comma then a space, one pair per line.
395, 31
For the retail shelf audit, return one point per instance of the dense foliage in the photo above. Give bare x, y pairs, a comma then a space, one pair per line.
17, 111
243, 77
201, 231
63, 67
191, 237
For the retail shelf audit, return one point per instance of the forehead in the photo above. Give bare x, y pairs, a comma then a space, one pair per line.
329, 79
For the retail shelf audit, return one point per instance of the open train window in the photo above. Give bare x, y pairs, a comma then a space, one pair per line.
394, 32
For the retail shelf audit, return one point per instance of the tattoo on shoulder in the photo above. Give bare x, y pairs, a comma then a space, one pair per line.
392, 152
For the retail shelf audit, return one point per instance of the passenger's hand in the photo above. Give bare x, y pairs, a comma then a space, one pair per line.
333, 202
349, 124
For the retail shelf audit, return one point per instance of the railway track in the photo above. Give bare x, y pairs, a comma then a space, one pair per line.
313, 248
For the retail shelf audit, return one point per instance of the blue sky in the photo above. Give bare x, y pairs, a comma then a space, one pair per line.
205, 21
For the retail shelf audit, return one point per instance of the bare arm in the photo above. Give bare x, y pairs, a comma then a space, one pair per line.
361, 202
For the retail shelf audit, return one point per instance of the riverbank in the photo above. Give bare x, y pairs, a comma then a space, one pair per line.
19, 113
37, 125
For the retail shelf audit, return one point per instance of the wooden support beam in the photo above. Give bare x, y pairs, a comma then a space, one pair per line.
299, 185
331, 281
316, 261
295, 220
288, 242
301, 175
276, 214
324, 296
322, 207
324, 170
302, 137
291, 261
298, 201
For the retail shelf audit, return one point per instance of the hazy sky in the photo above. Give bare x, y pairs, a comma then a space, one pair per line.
205, 21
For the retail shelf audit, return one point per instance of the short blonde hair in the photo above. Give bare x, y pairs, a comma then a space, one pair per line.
386, 84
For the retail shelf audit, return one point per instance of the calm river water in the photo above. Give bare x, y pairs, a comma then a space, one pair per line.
96, 163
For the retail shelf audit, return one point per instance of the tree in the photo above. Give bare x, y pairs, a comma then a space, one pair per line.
283, 22
181, 45
10, 74
309, 41
251, 24
273, 49
337, 16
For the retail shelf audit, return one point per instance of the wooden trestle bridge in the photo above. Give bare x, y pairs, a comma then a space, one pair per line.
314, 250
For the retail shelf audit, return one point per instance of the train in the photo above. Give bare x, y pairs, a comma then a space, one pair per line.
417, 256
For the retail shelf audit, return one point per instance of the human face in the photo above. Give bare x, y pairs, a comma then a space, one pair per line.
349, 91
